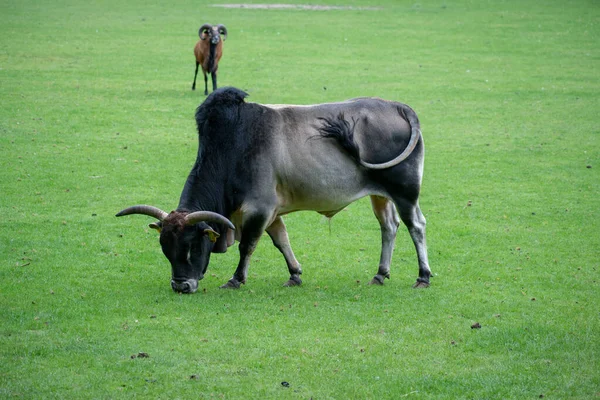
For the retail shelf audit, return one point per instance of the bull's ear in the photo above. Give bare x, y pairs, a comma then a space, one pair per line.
212, 235
156, 225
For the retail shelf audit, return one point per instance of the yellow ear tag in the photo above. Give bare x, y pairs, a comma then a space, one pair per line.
212, 235
156, 226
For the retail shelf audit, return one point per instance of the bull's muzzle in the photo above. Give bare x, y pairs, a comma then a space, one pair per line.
187, 286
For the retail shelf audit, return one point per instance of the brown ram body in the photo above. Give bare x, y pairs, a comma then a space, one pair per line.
208, 52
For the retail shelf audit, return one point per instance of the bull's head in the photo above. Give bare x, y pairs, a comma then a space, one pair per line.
213, 32
186, 240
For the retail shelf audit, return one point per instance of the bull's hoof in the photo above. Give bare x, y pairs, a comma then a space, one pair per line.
377, 280
420, 284
231, 284
294, 281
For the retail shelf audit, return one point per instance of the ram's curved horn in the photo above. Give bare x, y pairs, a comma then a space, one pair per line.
144, 210
207, 216
222, 30
201, 30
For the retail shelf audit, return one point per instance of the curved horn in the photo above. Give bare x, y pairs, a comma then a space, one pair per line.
201, 30
222, 30
144, 210
208, 216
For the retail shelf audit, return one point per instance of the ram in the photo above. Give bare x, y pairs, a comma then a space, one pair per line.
208, 52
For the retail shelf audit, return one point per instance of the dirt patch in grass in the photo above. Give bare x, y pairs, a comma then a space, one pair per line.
311, 7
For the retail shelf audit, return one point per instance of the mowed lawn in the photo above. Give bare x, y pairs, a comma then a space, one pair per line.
97, 115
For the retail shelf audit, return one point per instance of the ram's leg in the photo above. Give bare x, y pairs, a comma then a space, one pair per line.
214, 80
195, 75
205, 83
388, 221
253, 227
280, 239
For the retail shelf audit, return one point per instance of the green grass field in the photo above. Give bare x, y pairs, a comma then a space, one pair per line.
97, 115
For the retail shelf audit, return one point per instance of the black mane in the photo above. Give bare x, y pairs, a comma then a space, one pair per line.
222, 103
221, 140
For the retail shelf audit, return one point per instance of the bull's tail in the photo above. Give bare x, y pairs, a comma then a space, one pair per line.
341, 130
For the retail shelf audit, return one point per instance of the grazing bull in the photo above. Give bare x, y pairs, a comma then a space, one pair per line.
258, 162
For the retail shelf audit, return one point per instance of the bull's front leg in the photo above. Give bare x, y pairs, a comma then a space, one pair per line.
252, 230
280, 239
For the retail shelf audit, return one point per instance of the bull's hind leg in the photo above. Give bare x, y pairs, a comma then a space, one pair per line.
388, 220
280, 238
413, 218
